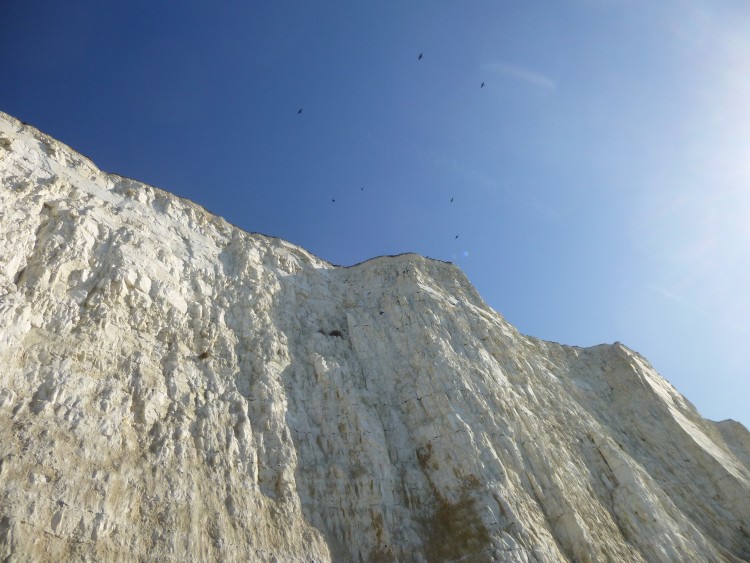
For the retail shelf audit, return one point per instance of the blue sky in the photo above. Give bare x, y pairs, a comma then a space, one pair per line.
601, 178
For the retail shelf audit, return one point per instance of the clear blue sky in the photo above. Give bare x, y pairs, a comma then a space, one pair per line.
601, 178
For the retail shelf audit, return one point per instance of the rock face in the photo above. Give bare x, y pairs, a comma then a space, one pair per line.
173, 388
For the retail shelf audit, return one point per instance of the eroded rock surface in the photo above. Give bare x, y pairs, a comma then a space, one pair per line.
174, 388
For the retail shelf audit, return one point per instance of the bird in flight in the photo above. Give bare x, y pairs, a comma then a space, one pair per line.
300, 111
333, 201
420, 57
451, 200
482, 86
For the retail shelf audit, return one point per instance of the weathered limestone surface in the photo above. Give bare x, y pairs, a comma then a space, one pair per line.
173, 388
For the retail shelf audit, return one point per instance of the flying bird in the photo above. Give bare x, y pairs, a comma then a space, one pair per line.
451, 200
300, 111
333, 200
482, 86
420, 57
456, 236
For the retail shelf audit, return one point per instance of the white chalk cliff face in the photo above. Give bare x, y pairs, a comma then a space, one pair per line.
174, 388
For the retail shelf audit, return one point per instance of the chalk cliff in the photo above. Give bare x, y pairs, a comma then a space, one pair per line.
174, 388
